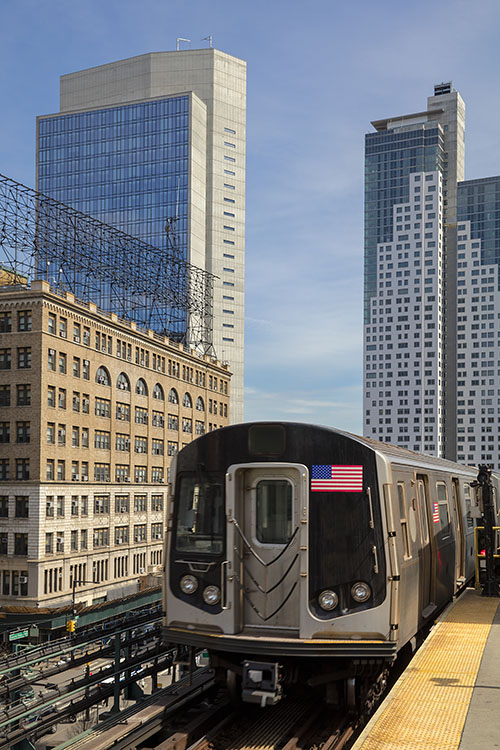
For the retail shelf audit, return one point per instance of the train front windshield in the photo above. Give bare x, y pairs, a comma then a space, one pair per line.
199, 526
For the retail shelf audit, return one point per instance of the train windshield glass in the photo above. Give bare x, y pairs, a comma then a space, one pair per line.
200, 515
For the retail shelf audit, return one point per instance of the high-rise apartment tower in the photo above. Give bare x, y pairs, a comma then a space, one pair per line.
413, 163
158, 137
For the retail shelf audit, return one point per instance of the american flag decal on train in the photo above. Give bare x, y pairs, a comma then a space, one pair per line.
328, 478
435, 512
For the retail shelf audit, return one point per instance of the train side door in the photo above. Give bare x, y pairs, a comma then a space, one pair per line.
425, 587
458, 526
270, 502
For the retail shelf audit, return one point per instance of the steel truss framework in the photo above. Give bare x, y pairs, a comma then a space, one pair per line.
41, 238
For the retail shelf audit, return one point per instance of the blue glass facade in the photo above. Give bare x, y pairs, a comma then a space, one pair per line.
127, 166
478, 201
390, 156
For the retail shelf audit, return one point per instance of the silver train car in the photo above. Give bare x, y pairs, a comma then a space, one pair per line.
300, 555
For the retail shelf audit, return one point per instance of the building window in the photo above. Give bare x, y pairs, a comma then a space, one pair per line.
139, 533
61, 398
61, 434
49, 543
101, 504
75, 474
121, 503
74, 505
52, 323
23, 394
63, 328
140, 474
22, 468
24, 320
101, 538
173, 398
85, 403
76, 367
102, 376
22, 507
102, 440
101, 472
172, 448
122, 473
5, 359
157, 447
102, 407
62, 363
187, 424
75, 437
158, 419
20, 544
61, 471
4, 506
141, 415
123, 412
141, 445
49, 474
60, 506
4, 432
60, 542
123, 382
187, 402
200, 404
84, 505
156, 531
199, 428
23, 357
51, 360
173, 422
141, 388
158, 392
4, 395
22, 432
122, 442
85, 437
121, 535
74, 541
83, 539
5, 322
156, 502
157, 474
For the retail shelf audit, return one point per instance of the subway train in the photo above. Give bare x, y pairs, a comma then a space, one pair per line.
304, 556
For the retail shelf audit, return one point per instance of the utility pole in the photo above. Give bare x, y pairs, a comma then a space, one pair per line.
490, 587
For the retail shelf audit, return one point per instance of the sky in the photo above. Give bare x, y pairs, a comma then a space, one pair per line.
317, 74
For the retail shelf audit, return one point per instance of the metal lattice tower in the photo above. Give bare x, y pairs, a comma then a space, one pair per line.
41, 238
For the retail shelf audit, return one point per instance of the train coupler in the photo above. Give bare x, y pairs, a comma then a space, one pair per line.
260, 683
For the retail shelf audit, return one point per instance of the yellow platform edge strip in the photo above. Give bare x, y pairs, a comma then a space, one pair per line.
427, 707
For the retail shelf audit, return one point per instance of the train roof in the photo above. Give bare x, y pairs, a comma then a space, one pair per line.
403, 455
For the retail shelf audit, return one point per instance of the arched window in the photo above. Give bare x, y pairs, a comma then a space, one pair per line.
123, 382
102, 376
173, 398
199, 404
158, 392
141, 388
186, 401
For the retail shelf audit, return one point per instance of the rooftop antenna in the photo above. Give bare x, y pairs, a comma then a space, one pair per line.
208, 39
179, 40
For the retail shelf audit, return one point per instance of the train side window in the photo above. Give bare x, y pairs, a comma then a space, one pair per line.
468, 503
404, 520
423, 511
274, 511
444, 510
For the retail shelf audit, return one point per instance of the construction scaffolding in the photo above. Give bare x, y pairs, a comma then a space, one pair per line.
41, 238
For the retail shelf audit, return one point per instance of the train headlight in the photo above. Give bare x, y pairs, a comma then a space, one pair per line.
328, 600
211, 595
361, 592
188, 584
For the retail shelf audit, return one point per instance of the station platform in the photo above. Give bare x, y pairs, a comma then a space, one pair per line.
449, 695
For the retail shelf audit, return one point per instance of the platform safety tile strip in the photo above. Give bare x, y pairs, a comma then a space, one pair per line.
427, 708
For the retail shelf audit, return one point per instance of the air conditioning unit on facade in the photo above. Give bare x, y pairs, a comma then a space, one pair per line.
85, 479
142, 571
102, 380
23, 579
75, 478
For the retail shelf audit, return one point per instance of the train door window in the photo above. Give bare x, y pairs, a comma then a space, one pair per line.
423, 510
274, 511
468, 504
404, 520
444, 510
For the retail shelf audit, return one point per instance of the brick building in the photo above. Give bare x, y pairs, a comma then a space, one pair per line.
92, 409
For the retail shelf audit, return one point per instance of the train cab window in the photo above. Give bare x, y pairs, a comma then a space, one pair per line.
274, 511
444, 511
199, 526
404, 520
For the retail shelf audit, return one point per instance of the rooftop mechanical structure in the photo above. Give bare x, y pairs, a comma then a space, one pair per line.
41, 238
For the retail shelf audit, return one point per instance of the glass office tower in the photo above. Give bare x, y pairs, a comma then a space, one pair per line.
155, 137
